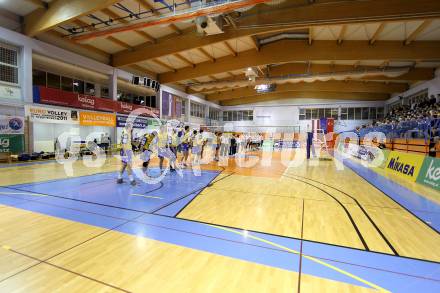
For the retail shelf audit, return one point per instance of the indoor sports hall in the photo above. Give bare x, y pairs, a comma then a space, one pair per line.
219, 146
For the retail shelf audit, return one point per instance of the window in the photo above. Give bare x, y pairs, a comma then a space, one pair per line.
373, 113
214, 114
66, 84
344, 113
365, 113
90, 89
358, 113
183, 107
245, 115
302, 114
350, 112
53, 81
380, 113
197, 110
78, 86
8, 64
105, 93
38, 77
335, 112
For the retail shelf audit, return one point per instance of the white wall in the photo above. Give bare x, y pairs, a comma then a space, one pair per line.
45, 134
286, 113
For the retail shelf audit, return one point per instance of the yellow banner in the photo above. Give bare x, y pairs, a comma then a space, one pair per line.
97, 119
404, 165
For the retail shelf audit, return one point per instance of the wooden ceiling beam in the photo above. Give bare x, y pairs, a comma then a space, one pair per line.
230, 49
414, 74
377, 33
60, 12
342, 34
418, 31
148, 7
184, 60
206, 54
163, 64
294, 51
318, 14
307, 95
318, 86
146, 36
88, 47
118, 42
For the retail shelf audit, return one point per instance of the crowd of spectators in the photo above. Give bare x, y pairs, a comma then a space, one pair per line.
418, 120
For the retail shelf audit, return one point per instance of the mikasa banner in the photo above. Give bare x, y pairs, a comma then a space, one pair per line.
404, 165
51, 115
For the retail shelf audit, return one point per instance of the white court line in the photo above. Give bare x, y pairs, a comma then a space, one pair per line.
23, 193
146, 196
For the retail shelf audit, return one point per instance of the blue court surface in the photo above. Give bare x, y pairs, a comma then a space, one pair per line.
150, 211
421, 207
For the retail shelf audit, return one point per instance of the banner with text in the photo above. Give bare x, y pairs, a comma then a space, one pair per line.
405, 165
11, 125
51, 115
97, 119
44, 95
11, 143
140, 122
430, 173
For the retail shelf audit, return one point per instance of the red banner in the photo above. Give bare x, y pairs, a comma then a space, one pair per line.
74, 100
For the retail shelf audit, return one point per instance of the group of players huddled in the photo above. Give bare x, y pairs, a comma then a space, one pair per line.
167, 143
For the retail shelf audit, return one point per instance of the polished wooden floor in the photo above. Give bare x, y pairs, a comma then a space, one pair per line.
47, 254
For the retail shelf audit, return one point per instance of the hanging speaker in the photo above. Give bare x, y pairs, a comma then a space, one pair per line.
136, 80
148, 82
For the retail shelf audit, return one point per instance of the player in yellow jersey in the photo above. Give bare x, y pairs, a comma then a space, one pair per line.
162, 146
146, 148
126, 153
174, 143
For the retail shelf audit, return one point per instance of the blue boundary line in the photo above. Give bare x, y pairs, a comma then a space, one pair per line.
397, 193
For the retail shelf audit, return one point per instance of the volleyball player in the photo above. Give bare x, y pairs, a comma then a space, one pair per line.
126, 154
145, 146
185, 145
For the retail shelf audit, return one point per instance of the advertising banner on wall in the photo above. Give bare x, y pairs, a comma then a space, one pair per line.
430, 173
406, 166
11, 143
43, 95
11, 125
51, 115
140, 122
10, 92
97, 119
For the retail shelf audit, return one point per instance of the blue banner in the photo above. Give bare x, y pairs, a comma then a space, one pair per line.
140, 122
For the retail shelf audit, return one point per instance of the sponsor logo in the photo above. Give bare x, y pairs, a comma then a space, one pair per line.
15, 124
4, 143
86, 100
433, 173
401, 167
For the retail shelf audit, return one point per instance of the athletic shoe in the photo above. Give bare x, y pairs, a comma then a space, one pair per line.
119, 181
133, 183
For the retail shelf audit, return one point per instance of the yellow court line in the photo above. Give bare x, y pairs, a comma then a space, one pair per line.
147, 196
305, 256
23, 193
